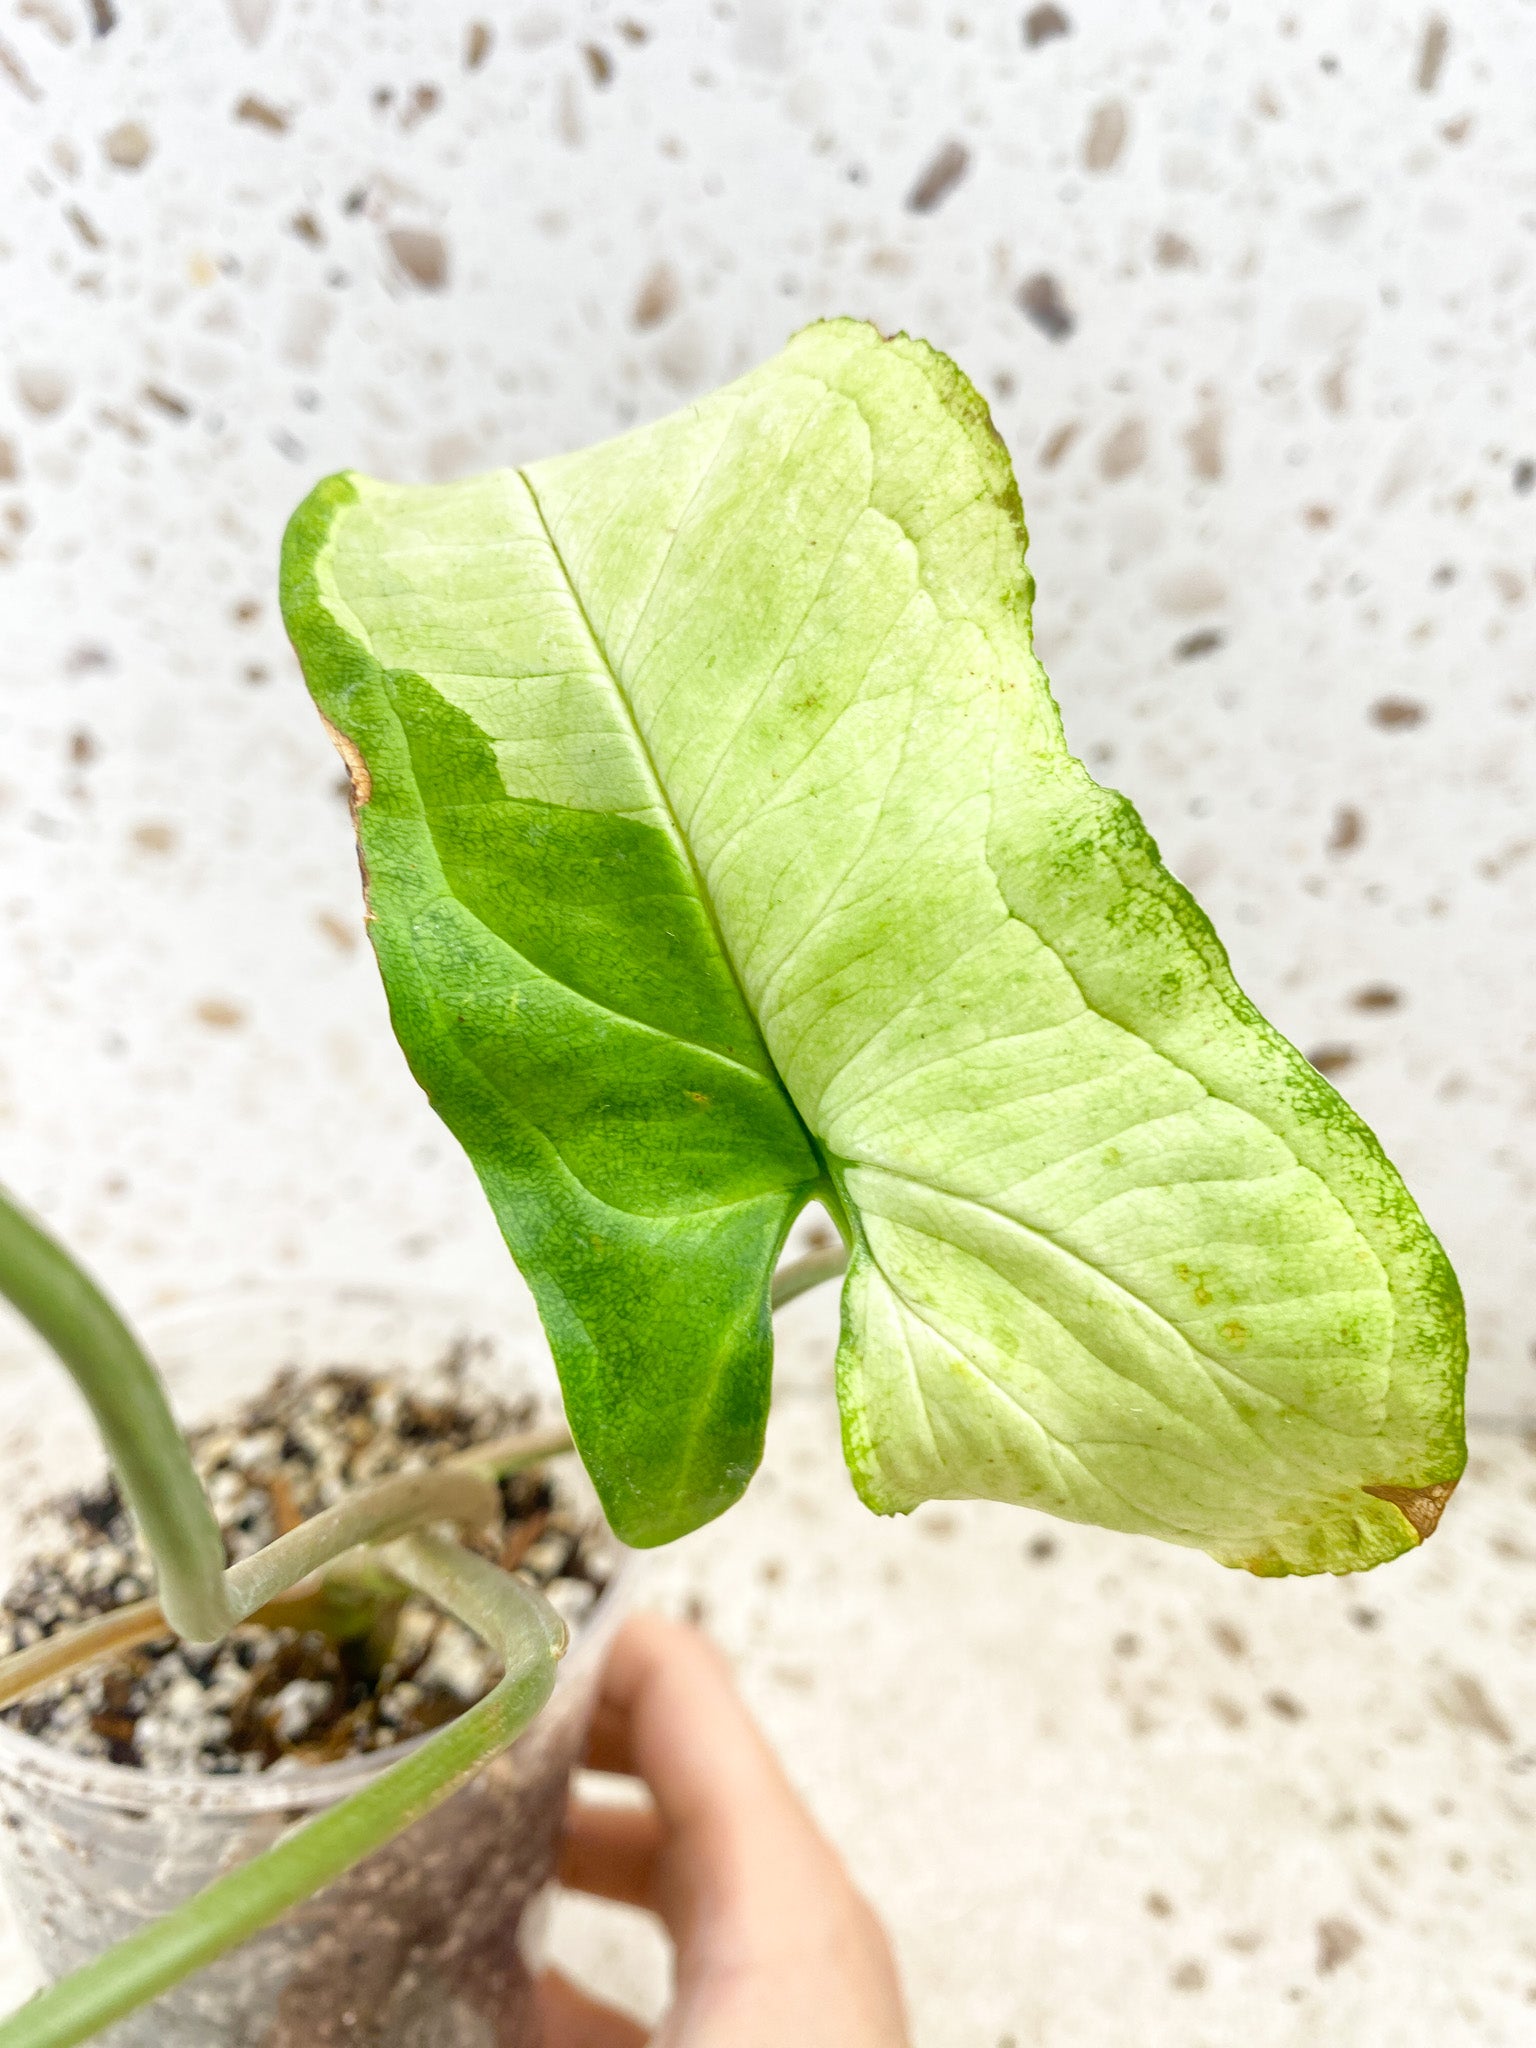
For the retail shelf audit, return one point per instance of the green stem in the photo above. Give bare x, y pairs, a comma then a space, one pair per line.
526, 1633
444, 1493
106, 1635
457, 1490
501, 1456
801, 1275
518, 1622
66, 1308
394, 1505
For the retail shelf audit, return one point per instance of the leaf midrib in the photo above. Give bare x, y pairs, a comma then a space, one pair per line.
679, 837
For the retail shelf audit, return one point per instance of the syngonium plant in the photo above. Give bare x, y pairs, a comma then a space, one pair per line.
723, 853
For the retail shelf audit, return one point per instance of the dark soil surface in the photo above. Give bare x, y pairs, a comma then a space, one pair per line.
350, 1671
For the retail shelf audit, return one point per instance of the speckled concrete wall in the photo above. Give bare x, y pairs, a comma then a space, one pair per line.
1252, 290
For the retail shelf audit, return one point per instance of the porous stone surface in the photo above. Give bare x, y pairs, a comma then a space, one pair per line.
1251, 292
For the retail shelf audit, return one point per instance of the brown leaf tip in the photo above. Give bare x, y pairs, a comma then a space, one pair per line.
357, 767
1421, 1506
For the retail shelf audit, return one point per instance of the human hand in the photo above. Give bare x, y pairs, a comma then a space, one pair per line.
775, 1947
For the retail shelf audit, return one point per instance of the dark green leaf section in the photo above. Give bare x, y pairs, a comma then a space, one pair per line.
642, 1160
594, 900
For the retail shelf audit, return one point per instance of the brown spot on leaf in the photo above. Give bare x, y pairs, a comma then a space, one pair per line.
1337, 1941
261, 114
657, 298
421, 255
1420, 1506
1042, 24
942, 174
359, 780
1040, 300
1108, 126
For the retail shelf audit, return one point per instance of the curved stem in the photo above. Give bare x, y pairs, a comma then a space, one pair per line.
801, 1275
529, 1637
124, 1628
443, 1493
503, 1455
440, 1494
455, 1490
520, 1624
70, 1312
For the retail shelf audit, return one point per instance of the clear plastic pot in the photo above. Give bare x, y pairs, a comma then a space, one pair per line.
430, 1941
